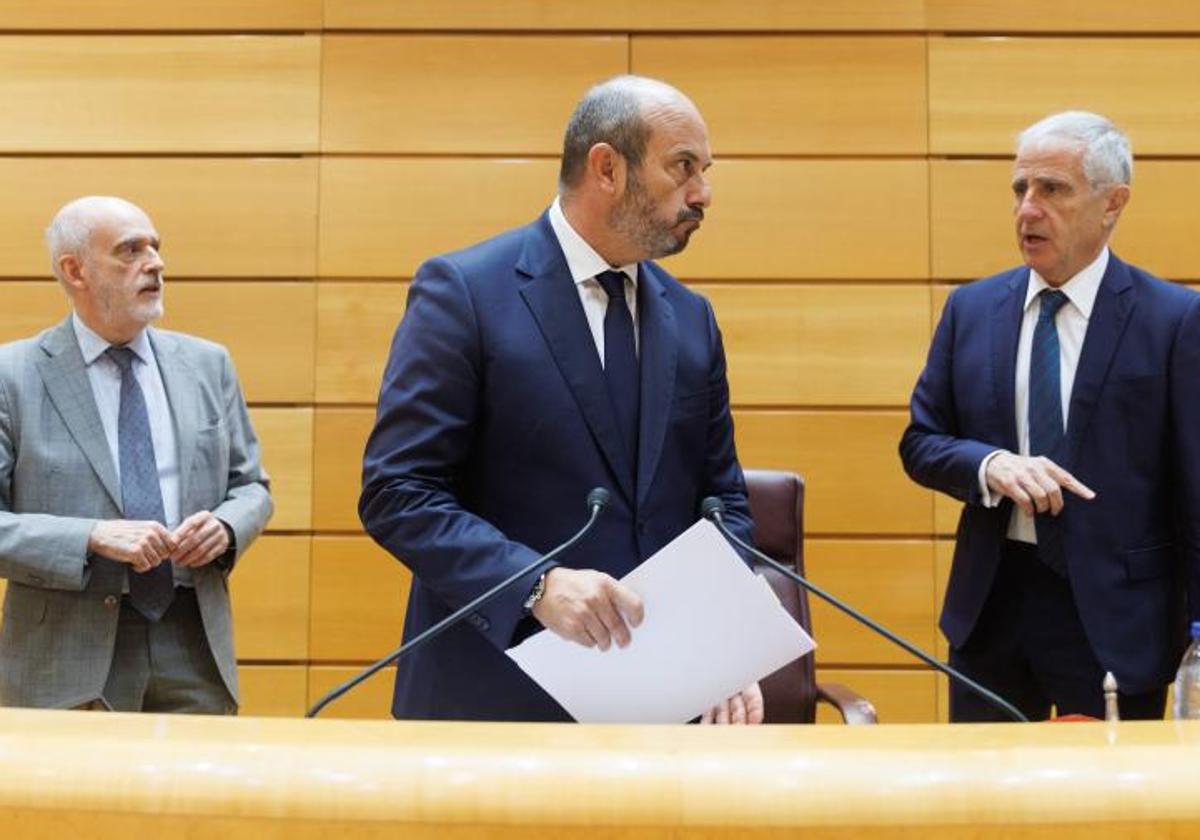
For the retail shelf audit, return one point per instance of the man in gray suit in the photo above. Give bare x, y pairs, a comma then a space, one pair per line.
130, 483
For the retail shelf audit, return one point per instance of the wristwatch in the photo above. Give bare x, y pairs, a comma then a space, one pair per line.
539, 589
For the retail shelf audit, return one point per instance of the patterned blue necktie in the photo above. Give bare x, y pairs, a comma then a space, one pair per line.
141, 496
1046, 416
621, 362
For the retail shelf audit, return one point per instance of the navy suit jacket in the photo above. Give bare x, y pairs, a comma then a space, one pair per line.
493, 424
1133, 436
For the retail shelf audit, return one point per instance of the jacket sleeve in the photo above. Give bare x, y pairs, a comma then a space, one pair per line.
932, 449
416, 455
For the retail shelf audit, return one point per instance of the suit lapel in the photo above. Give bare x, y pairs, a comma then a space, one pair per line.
1006, 328
658, 353
179, 382
553, 300
1110, 315
65, 378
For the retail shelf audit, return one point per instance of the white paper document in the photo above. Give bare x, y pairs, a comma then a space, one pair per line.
711, 628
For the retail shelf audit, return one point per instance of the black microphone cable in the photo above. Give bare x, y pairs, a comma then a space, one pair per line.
597, 500
713, 509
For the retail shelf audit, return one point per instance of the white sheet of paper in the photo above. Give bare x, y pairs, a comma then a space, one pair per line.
711, 628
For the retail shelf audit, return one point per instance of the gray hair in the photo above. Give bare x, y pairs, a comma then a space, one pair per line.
612, 113
70, 231
1107, 155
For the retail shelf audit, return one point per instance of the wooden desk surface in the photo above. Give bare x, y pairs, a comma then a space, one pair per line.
93, 775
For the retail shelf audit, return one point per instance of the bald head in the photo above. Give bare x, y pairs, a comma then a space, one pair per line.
616, 112
70, 231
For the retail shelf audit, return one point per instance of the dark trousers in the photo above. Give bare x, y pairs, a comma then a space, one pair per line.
1030, 647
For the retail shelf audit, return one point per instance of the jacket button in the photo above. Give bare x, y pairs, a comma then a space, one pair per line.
37, 580
110, 601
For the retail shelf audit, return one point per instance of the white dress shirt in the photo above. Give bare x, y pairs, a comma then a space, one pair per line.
1071, 323
585, 264
105, 378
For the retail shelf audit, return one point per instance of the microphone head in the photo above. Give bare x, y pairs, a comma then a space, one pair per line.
597, 499
711, 506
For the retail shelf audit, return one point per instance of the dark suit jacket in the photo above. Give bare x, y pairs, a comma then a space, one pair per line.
1133, 436
493, 425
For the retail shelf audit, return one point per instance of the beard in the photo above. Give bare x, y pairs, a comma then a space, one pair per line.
636, 219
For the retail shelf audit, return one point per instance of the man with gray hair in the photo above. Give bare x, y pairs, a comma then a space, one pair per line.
533, 367
1061, 403
130, 483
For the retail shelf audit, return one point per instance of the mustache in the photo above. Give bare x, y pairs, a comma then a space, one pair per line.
691, 214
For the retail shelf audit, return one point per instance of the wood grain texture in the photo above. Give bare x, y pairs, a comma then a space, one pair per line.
892, 581
218, 217
438, 94
286, 437
359, 595
822, 345
100, 15
823, 219
154, 93
340, 436
1170, 17
355, 324
433, 205
269, 589
273, 690
983, 91
898, 696
370, 701
620, 15
790, 95
269, 329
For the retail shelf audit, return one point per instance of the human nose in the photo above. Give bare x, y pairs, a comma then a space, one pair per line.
1028, 207
701, 193
154, 261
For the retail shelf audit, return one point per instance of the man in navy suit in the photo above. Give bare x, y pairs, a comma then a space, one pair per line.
533, 367
1061, 403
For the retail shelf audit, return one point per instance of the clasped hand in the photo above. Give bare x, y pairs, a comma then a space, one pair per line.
196, 541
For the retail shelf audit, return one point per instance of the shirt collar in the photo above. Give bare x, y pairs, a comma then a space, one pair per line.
1081, 290
92, 346
582, 259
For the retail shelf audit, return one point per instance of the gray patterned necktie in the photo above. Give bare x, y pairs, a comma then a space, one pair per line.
141, 496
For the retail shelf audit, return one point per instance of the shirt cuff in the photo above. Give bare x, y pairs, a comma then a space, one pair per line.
985, 494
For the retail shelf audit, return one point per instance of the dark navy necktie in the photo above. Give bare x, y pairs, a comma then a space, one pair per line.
141, 496
1046, 415
621, 362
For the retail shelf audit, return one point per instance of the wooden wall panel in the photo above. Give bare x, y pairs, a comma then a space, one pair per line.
355, 324
898, 696
359, 595
972, 224
243, 15
273, 690
432, 205
891, 581
1166, 16
798, 95
822, 345
370, 701
943, 558
340, 436
983, 91
824, 219
286, 436
153, 93
30, 308
854, 483
269, 329
434, 94
218, 217
269, 589
671, 15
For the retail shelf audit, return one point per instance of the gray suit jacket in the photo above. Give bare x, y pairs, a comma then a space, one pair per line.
57, 479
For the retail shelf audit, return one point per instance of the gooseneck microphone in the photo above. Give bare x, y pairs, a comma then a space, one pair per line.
713, 509
597, 500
